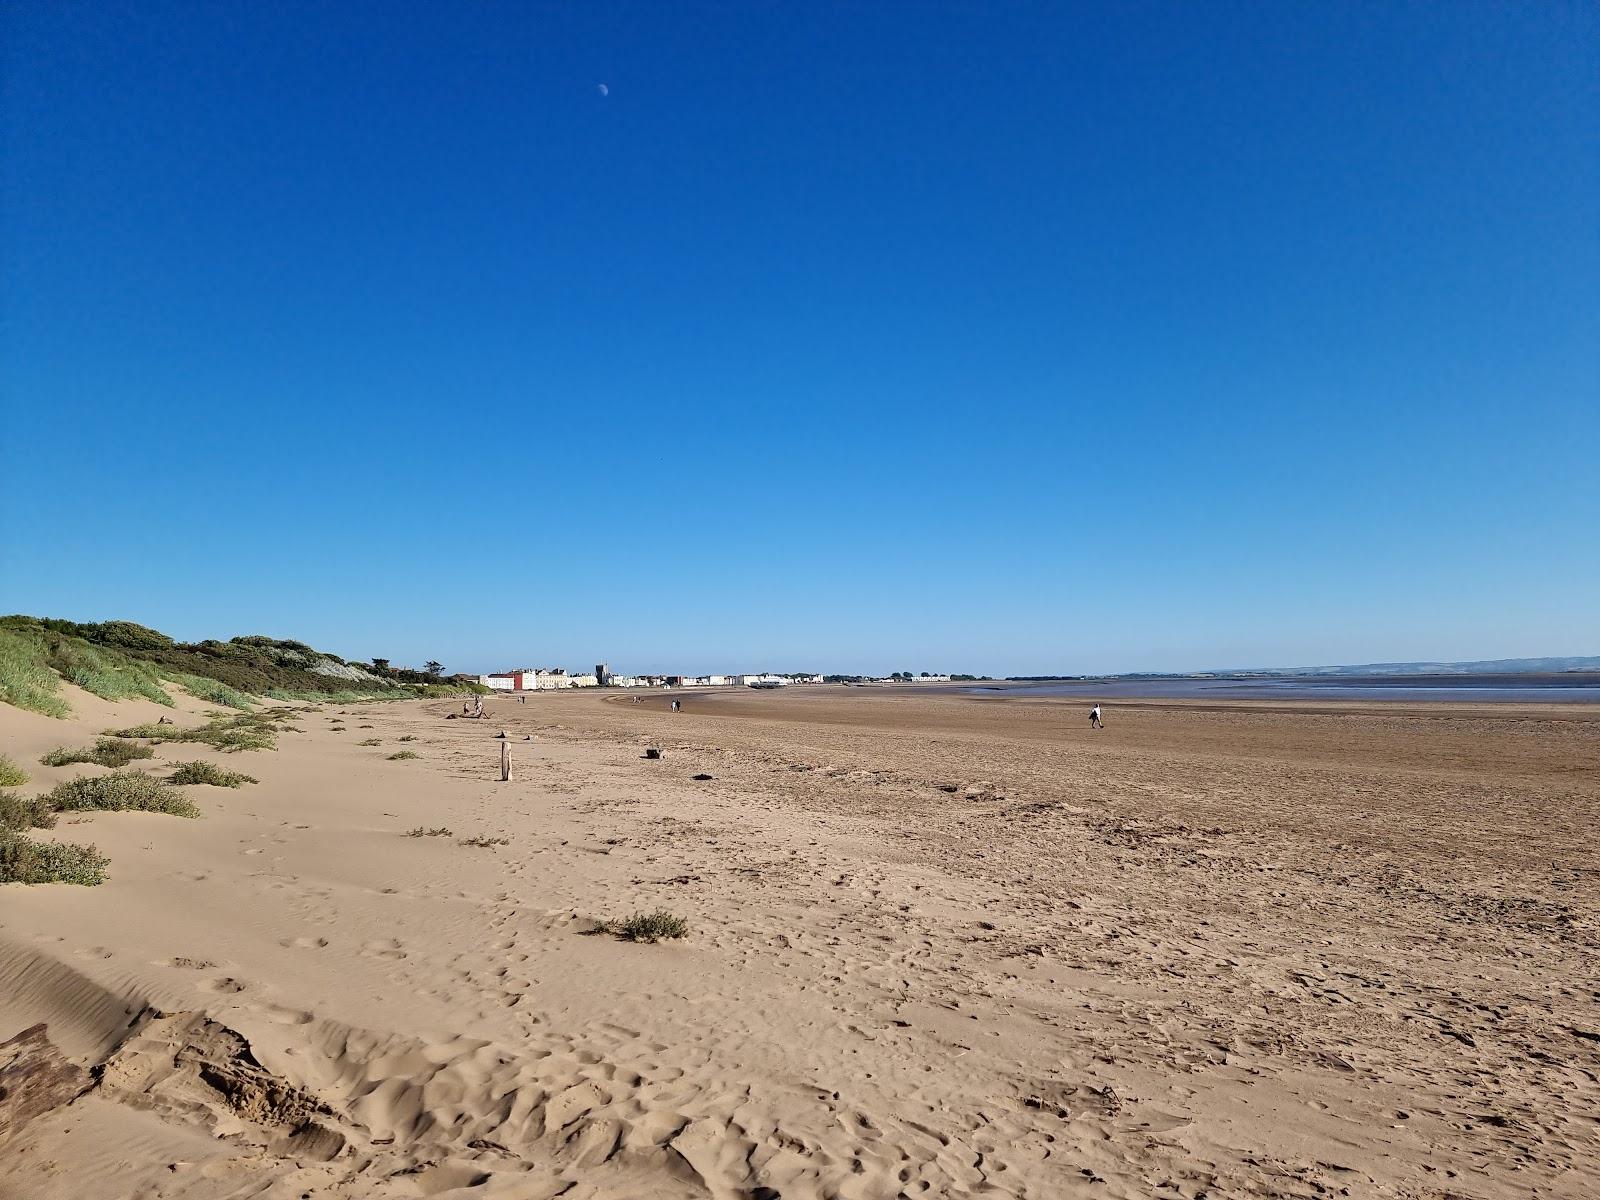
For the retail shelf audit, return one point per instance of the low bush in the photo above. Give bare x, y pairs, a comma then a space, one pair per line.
25, 812
649, 927
404, 754
23, 860
11, 775
241, 731
422, 831
204, 772
485, 842
106, 752
120, 791
370, 742
408, 738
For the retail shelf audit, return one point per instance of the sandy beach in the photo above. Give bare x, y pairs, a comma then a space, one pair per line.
938, 945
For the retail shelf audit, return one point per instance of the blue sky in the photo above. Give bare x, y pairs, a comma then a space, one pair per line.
1001, 338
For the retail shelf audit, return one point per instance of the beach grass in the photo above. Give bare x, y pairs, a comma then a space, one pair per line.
404, 754
105, 671
26, 679
214, 691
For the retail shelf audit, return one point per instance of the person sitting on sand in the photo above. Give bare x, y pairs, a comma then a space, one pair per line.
1095, 720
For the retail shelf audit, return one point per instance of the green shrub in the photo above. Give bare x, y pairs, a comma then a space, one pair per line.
408, 738
106, 752
649, 927
404, 754
204, 772
120, 791
242, 731
370, 742
423, 831
30, 812
11, 775
26, 679
23, 860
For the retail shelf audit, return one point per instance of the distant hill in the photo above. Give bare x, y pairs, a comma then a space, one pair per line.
119, 659
1488, 666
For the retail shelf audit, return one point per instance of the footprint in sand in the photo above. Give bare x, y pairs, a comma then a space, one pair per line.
226, 985
304, 943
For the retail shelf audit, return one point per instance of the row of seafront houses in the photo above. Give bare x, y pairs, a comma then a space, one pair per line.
556, 678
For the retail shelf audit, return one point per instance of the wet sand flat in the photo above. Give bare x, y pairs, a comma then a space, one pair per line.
939, 946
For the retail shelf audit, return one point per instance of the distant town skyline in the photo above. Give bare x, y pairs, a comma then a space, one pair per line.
1053, 338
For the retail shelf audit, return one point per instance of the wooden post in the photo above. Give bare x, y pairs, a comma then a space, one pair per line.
505, 762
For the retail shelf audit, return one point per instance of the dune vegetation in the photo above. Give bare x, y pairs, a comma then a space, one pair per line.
209, 773
11, 775
23, 860
241, 731
25, 812
26, 860
118, 660
106, 752
120, 791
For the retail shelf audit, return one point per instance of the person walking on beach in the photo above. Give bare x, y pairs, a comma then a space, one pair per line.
1095, 720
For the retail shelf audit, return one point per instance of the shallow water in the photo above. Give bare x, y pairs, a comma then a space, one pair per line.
1500, 689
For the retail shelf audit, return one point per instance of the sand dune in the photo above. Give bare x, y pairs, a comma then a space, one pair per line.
938, 947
